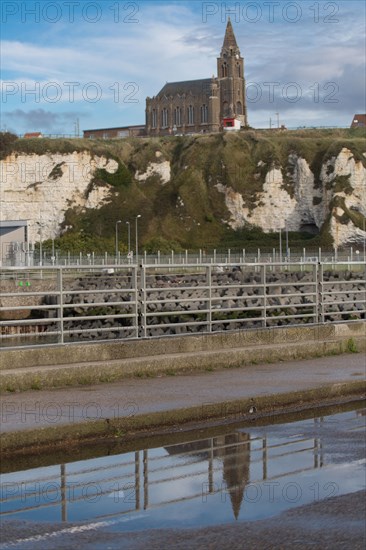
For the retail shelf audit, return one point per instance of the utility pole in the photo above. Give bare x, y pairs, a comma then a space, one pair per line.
117, 223
77, 127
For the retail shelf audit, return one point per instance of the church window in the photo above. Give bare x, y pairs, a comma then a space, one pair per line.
154, 118
224, 70
238, 70
190, 114
239, 108
204, 114
164, 118
178, 116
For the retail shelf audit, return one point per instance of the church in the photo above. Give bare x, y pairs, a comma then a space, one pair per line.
205, 105
194, 106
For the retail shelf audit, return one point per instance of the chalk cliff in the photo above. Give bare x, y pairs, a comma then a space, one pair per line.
192, 189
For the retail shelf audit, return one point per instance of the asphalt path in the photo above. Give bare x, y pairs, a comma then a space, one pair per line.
139, 396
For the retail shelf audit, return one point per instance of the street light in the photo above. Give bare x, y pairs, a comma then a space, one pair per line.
136, 240
280, 254
119, 221
129, 236
40, 225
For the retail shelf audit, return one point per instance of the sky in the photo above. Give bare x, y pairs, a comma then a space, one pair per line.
69, 64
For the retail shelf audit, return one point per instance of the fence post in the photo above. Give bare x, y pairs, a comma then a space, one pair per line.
141, 309
320, 281
61, 337
209, 298
264, 296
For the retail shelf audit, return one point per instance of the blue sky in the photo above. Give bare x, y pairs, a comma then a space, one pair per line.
97, 61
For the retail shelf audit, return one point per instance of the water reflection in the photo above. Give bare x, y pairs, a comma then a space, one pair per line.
248, 474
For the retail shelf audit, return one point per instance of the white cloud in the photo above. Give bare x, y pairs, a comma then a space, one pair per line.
171, 42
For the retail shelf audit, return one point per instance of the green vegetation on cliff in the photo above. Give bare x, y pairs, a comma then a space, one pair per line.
189, 211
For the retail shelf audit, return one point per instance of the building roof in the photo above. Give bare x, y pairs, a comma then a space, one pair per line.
13, 223
136, 126
359, 120
195, 87
33, 135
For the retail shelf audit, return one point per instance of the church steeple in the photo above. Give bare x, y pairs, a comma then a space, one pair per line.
230, 44
230, 74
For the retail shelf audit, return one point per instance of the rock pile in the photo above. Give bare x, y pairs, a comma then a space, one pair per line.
102, 306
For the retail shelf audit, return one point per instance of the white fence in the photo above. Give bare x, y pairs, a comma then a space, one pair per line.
27, 255
59, 305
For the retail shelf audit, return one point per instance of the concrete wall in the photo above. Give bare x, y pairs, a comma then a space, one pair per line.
288, 340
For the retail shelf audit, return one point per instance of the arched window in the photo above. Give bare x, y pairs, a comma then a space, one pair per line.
153, 118
190, 114
224, 70
178, 116
204, 114
164, 118
239, 108
238, 70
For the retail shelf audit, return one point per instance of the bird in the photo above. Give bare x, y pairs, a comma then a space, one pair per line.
252, 408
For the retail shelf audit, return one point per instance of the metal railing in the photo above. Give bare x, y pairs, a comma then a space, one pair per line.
27, 255
60, 305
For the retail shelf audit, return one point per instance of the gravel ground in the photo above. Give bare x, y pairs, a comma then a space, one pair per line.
334, 523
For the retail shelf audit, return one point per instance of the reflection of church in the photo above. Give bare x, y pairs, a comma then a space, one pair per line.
234, 452
202, 105
236, 460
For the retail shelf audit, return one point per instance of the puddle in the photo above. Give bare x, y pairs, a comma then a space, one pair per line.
251, 473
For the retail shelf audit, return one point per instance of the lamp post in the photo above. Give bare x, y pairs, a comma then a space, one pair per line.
280, 244
40, 226
136, 239
129, 236
118, 222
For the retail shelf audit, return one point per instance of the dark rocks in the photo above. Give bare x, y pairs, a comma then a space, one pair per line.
234, 299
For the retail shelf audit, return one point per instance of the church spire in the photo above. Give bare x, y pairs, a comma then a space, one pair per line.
230, 40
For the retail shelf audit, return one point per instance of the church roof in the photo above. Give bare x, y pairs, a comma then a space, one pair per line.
229, 40
196, 87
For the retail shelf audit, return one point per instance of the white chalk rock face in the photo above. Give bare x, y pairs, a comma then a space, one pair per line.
40, 188
308, 204
161, 169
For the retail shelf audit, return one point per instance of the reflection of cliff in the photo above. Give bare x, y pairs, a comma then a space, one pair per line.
234, 452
